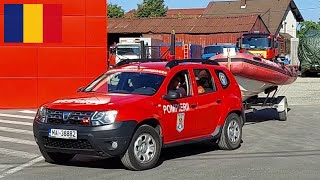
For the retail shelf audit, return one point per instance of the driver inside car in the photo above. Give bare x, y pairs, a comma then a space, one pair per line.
176, 85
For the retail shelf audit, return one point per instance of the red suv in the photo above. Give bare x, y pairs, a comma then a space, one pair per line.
138, 108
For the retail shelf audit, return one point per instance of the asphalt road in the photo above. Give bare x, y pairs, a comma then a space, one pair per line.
271, 149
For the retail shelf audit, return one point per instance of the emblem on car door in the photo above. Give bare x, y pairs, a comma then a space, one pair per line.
180, 122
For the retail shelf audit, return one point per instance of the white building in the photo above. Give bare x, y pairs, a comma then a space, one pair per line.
289, 25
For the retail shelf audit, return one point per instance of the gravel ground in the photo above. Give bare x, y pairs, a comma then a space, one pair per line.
305, 91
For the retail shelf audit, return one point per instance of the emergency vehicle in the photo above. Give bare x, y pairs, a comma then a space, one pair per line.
133, 48
263, 45
140, 107
182, 50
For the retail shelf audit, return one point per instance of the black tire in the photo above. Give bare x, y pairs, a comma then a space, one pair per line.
130, 161
313, 74
56, 158
305, 74
224, 142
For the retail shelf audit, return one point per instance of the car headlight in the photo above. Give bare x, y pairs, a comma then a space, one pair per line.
103, 118
42, 115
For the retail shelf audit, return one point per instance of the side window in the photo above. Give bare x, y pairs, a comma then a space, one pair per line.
223, 78
181, 83
205, 82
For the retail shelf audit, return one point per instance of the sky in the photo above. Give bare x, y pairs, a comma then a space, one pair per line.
310, 9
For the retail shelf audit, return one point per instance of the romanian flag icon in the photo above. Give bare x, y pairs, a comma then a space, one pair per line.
32, 23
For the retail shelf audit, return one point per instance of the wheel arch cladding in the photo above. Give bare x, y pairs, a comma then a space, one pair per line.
153, 123
240, 114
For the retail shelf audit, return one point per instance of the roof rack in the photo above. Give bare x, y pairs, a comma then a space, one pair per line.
173, 63
129, 61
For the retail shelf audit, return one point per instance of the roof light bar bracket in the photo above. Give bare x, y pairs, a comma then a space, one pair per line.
129, 61
171, 64
174, 63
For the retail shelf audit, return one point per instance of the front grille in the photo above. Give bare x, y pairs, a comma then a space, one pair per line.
67, 117
67, 144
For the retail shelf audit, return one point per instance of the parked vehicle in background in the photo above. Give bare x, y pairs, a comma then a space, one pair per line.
264, 45
309, 53
132, 47
213, 50
182, 50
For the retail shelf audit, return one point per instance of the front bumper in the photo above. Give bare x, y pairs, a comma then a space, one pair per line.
90, 140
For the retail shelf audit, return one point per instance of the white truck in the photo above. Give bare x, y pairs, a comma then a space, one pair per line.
130, 48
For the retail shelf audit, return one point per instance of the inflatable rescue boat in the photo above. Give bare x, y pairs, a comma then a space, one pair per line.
254, 74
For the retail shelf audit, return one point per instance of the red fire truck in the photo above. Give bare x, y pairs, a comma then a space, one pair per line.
181, 50
263, 45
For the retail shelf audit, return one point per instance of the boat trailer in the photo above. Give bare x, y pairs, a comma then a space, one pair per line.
272, 101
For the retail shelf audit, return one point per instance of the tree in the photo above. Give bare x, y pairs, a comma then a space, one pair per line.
307, 25
151, 8
115, 11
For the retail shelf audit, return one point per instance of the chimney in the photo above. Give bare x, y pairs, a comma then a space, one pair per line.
243, 4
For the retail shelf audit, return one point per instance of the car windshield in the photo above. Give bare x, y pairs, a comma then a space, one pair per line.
256, 43
128, 50
127, 83
213, 49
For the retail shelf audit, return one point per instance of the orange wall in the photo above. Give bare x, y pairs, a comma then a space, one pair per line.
32, 74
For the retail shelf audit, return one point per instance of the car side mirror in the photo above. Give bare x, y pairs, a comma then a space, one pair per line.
172, 95
80, 89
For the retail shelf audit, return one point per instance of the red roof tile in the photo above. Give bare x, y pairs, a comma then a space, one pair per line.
130, 14
209, 25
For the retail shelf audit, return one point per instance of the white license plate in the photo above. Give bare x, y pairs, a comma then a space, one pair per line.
63, 134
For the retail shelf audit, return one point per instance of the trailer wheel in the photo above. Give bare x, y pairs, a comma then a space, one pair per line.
282, 108
283, 115
305, 74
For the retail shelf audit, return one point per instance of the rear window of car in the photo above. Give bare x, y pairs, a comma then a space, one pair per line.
218, 49
205, 82
223, 79
213, 49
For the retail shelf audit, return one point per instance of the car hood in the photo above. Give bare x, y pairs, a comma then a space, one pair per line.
95, 101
